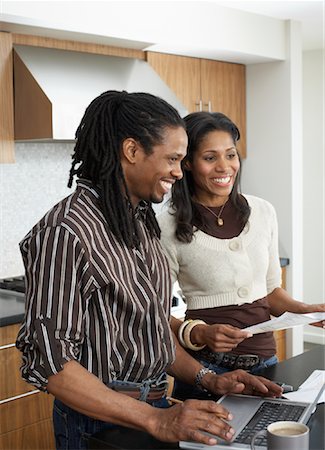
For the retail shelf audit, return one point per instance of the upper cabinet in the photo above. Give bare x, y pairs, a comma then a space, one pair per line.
207, 85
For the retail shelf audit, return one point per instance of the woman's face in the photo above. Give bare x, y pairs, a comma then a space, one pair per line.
214, 168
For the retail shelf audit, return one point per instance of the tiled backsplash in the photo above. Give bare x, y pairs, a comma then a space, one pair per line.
28, 189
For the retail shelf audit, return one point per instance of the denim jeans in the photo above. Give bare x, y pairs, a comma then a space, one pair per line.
183, 391
72, 429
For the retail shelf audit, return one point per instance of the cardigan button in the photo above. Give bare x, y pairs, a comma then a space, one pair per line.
235, 245
243, 291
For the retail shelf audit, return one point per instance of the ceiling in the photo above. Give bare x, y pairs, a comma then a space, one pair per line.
310, 13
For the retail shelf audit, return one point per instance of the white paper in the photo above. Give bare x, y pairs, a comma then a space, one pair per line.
309, 389
286, 320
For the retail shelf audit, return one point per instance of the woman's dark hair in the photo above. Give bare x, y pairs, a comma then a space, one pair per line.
110, 119
198, 125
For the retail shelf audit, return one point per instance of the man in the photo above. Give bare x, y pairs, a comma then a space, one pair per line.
96, 333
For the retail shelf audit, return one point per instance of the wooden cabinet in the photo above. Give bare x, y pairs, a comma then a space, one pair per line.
26, 413
208, 85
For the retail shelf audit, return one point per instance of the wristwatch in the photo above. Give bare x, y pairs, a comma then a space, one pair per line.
199, 376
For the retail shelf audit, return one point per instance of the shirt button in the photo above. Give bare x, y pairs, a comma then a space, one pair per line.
243, 291
234, 245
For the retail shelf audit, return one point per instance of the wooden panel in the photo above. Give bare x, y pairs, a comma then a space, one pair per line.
224, 86
280, 336
25, 411
77, 46
181, 74
38, 436
12, 384
6, 100
280, 340
8, 334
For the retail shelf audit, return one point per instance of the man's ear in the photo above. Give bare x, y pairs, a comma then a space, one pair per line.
130, 147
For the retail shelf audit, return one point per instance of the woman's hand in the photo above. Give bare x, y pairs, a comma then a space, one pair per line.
218, 337
315, 308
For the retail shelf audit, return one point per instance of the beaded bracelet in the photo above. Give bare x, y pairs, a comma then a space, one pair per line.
186, 335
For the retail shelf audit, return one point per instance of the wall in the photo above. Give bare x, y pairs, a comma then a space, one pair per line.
273, 169
28, 189
313, 185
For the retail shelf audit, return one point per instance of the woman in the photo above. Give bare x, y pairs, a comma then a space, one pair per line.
222, 248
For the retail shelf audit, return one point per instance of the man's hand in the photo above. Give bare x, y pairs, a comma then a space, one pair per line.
188, 421
218, 337
240, 382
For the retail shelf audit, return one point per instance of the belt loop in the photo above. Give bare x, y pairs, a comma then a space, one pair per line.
144, 390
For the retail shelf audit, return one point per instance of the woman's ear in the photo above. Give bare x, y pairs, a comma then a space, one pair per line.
187, 165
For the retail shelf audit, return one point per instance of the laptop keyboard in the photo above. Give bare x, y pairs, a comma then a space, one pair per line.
267, 413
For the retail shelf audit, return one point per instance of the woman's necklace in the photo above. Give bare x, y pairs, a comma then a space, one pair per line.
219, 220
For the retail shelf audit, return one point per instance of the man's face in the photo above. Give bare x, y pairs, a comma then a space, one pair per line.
150, 177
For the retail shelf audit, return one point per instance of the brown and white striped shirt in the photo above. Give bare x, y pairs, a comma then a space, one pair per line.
91, 299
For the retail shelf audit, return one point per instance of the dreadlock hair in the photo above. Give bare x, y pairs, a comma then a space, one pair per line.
198, 125
111, 118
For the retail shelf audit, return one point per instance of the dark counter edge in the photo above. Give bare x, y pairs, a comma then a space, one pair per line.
11, 320
284, 262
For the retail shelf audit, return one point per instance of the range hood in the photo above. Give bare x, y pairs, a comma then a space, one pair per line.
52, 88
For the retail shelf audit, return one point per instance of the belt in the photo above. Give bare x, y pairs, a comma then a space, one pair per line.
230, 360
152, 395
148, 390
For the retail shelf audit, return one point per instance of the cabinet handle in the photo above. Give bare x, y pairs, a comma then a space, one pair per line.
3, 347
11, 399
209, 105
199, 104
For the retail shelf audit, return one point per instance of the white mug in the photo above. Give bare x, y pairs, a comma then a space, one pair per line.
284, 435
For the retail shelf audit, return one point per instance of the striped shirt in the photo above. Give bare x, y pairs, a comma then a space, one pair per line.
91, 299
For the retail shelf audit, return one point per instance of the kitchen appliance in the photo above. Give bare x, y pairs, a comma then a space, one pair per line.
16, 284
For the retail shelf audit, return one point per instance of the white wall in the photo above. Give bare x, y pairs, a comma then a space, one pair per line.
28, 189
273, 168
313, 185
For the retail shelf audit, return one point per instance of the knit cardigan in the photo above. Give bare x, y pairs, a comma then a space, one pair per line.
214, 272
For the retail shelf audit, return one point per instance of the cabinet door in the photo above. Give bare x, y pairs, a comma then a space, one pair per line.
181, 74
223, 88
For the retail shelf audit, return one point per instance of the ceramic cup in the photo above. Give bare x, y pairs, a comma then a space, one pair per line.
284, 436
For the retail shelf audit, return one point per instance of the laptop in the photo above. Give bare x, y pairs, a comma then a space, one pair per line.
252, 414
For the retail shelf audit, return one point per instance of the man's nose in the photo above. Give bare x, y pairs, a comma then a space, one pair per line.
177, 171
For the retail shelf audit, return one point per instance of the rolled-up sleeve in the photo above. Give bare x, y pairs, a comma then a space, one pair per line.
59, 282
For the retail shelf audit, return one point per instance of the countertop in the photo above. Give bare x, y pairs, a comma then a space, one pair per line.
12, 304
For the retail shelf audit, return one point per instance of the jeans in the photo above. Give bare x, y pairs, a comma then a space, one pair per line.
73, 429
183, 391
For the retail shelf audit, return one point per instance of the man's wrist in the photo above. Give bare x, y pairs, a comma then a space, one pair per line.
202, 378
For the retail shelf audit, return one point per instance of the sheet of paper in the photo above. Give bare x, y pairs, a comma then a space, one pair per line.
286, 320
309, 389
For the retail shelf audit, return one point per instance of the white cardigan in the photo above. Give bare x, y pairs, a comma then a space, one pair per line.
216, 272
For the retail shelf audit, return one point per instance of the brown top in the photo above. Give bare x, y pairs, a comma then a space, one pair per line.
242, 316
91, 299
239, 316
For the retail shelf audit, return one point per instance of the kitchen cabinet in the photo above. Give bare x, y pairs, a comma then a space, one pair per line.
26, 413
207, 85
6, 100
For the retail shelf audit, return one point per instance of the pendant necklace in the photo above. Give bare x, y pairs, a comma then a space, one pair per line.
219, 220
